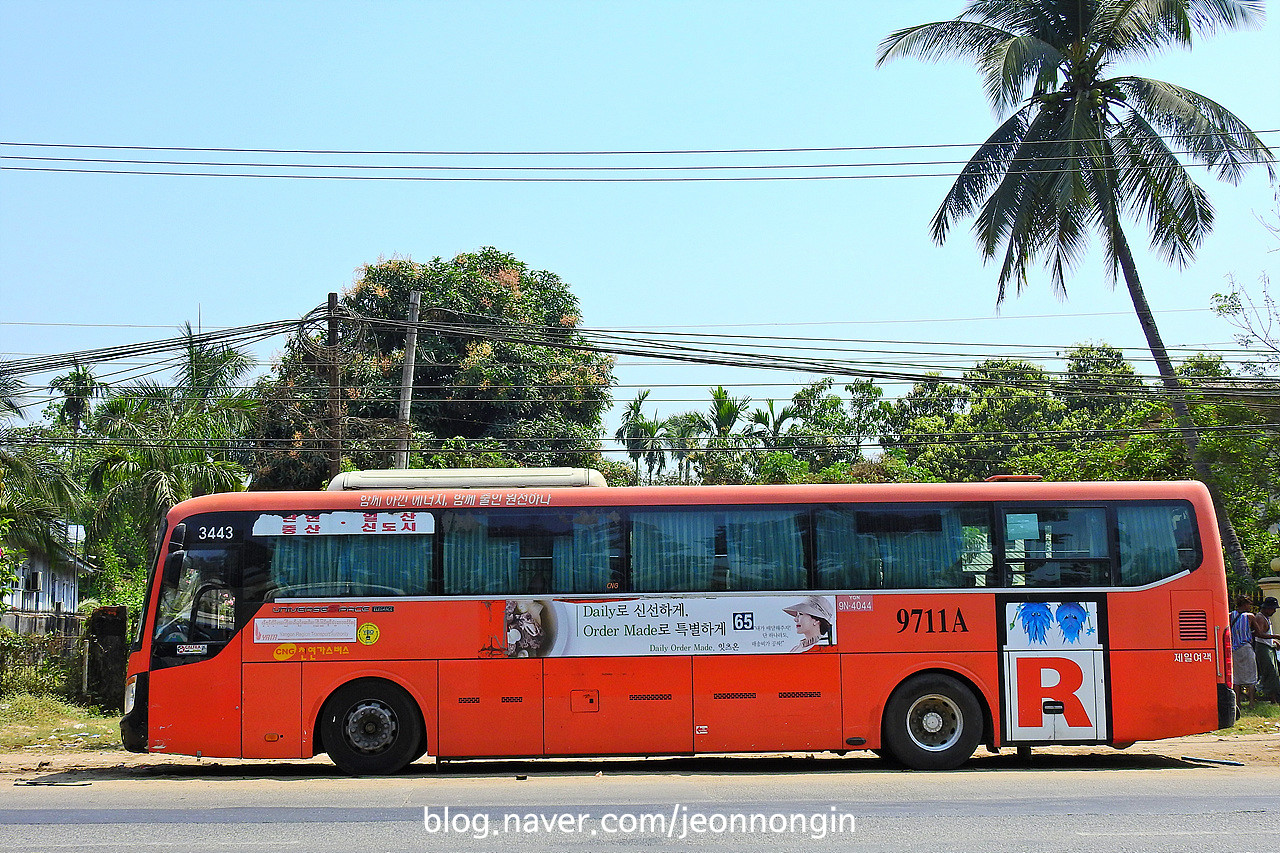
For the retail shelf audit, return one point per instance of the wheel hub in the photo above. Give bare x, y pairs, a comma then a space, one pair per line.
935, 722
370, 727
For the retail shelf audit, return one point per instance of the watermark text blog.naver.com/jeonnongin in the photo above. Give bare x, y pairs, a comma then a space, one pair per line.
679, 822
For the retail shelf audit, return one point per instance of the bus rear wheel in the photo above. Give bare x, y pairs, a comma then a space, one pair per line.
371, 727
932, 722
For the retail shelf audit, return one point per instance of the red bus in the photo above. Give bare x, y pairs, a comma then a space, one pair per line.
378, 622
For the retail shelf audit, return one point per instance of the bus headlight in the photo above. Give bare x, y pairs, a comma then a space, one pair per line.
130, 690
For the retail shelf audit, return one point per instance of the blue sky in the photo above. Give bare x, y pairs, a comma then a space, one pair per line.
98, 260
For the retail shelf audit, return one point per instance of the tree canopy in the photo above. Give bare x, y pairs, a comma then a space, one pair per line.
498, 361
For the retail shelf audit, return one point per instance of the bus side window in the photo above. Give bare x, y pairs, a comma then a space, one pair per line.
1057, 547
530, 552
1156, 541
846, 558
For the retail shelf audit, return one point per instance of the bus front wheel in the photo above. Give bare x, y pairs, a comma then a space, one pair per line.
932, 722
371, 727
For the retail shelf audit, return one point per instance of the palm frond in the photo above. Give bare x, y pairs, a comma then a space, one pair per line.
958, 39
1145, 27
10, 388
1058, 22
1068, 193
1017, 65
995, 220
1103, 180
1159, 187
1209, 132
1209, 16
985, 168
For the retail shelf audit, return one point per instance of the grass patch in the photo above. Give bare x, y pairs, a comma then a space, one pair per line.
30, 722
1262, 718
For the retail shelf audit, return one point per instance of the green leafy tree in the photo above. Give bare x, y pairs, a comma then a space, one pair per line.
500, 357
1008, 409
1239, 437
116, 582
1081, 150
828, 430
1098, 380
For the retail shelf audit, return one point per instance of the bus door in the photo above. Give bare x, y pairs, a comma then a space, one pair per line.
1053, 667
194, 684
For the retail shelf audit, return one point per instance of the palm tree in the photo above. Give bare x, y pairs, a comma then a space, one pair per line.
1081, 150
768, 424
652, 443
78, 388
725, 412
169, 443
37, 493
681, 433
724, 459
209, 375
158, 455
630, 433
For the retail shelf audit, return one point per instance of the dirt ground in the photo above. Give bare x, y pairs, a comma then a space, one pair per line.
1247, 750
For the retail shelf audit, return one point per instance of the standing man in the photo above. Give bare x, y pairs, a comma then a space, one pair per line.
1265, 651
1244, 663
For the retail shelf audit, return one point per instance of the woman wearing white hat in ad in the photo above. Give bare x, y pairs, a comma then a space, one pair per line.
814, 617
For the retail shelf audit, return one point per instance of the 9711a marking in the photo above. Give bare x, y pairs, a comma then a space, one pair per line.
931, 621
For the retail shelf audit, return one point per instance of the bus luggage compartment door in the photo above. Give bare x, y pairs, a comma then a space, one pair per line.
1055, 697
491, 707
763, 703
619, 706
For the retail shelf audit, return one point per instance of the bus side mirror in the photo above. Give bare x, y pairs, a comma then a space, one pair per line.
178, 538
173, 568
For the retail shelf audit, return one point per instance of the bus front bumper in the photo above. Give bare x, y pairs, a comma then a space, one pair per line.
133, 725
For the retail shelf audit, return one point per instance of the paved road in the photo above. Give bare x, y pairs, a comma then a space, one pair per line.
1108, 802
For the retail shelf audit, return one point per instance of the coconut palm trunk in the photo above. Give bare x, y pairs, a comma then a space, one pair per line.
1181, 411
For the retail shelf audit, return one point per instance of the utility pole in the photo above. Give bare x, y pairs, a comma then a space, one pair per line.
406, 380
335, 392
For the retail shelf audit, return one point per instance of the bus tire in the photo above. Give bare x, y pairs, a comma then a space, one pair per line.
371, 727
932, 722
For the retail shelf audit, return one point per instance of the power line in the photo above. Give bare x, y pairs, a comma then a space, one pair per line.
1087, 161
238, 335
898, 321
697, 167
538, 153
667, 346
512, 180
